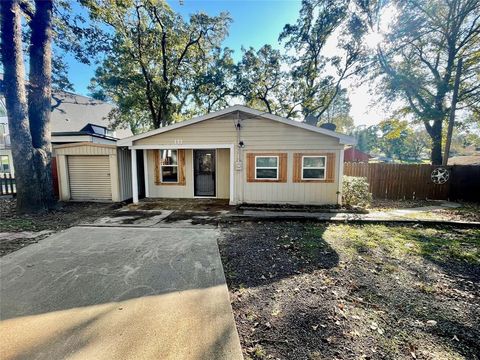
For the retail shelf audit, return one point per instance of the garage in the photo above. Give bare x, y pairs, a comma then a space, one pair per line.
92, 172
89, 177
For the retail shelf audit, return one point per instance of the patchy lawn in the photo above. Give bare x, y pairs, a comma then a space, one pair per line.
466, 212
318, 291
17, 231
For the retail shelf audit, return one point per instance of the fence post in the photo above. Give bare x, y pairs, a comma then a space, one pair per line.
1, 184
11, 182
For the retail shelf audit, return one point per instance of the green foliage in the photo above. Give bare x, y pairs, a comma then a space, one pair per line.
338, 113
355, 191
262, 82
318, 21
159, 66
418, 60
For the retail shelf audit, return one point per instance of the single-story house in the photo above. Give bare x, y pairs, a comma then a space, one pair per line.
353, 154
240, 154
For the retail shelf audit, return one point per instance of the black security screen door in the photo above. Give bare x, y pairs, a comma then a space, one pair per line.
204, 172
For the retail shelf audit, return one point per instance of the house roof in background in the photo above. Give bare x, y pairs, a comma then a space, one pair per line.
73, 112
343, 139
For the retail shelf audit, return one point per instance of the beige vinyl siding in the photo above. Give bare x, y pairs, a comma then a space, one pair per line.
82, 149
125, 173
290, 192
89, 177
170, 190
258, 135
186, 191
223, 173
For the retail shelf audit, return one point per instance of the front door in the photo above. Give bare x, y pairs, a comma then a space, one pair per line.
204, 172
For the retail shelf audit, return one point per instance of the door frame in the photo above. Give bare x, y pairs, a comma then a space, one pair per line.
216, 174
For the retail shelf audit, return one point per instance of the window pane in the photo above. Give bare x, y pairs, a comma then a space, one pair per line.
169, 174
169, 157
313, 173
313, 161
266, 173
266, 161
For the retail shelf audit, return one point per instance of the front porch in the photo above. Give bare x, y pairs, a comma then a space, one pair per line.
204, 171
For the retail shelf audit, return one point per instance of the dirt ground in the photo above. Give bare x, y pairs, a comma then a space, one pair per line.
466, 211
302, 290
29, 229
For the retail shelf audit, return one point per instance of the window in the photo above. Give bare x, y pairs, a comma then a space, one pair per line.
314, 167
266, 167
4, 164
169, 166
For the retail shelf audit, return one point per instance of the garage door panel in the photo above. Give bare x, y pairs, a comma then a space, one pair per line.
89, 177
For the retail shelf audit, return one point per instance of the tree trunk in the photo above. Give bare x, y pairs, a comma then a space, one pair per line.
39, 99
28, 194
436, 148
32, 166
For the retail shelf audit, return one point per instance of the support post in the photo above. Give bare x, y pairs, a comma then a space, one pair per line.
145, 172
134, 177
233, 200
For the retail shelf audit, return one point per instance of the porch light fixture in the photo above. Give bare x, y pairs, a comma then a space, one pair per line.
241, 144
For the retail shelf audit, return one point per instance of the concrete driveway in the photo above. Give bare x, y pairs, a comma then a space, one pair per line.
117, 293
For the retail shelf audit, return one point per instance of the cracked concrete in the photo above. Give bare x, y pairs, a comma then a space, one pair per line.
110, 293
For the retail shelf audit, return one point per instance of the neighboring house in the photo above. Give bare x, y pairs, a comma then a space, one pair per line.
240, 154
352, 154
74, 119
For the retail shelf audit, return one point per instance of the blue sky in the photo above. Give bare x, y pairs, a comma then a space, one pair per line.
255, 23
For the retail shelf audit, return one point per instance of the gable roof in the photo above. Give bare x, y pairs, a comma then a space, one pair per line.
343, 139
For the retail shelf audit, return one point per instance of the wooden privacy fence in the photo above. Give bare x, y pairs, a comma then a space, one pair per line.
7, 184
406, 181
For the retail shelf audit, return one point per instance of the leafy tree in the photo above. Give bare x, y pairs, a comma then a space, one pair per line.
419, 57
316, 78
391, 138
338, 113
213, 82
416, 142
366, 138
262, 81
152, 57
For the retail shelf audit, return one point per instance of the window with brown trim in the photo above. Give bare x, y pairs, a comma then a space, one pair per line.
170, 167
266, 167
314, 167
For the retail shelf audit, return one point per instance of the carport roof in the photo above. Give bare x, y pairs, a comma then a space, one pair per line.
343, 139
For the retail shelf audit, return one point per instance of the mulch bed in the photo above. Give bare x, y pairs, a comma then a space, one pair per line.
294, 301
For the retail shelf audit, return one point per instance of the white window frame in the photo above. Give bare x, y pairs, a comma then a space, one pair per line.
267, 167
162, 166
324, 167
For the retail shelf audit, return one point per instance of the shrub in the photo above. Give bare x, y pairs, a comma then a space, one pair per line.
355, 191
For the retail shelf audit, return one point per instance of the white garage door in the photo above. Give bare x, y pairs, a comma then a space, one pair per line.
89, 177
